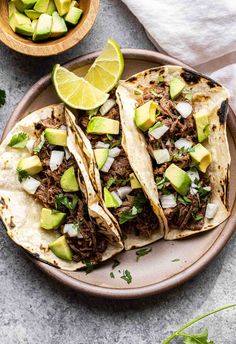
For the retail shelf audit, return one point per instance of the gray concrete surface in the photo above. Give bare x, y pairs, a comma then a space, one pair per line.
35, 309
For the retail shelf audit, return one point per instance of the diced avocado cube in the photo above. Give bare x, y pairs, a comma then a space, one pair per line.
25, 30
59, 27
61, 248
201, 156
179, 179
74, 3
100, 125
62, 6
51, 219
51, 7
18, 19
145, 115
203, 126
32, 165
57, 137
43, 28
134, 182
68, 180
41, 6
32, 14
176, 87
34, 24
11, 8
101, 155
23, 5
73, 15
109, 199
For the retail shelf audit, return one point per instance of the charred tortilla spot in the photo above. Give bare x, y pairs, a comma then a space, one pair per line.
52, 115
132, 79
223, 111
2, 201
152, 82
190, 76
11, 224
212, 84
214, 127
145, 74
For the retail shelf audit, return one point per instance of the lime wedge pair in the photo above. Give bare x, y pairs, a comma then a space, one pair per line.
90, 92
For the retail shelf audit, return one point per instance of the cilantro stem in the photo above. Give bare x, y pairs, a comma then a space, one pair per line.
177, 333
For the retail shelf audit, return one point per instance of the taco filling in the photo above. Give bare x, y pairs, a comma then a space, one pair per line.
121, 190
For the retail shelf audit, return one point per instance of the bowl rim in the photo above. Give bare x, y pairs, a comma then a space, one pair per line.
53, 47
155, 288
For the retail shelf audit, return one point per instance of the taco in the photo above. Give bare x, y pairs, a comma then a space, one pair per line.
180, 118
137, 217
47, 201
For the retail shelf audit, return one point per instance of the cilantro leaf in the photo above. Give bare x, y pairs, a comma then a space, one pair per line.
89, 266
112, 275
126, 216
62, 200
160, 182
197, 217
110, 182
198, 338
142, 252
19, 140
38, 148
175, 260
2, 97
184, 200
136, 209
22, 174
127, 276
116, 262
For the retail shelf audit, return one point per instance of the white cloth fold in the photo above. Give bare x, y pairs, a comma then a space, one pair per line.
200, 33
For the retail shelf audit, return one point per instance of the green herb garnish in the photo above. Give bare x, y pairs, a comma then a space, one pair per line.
62, 200
136, 209
19, 140
137, 92
184, 200
2, 97
154, 93
89, 266
110, 137
38, 148
197, 217
112, 275
160, 182
116, 262
110, 182
127, 276
175, 260
189, 96
116, 143
197, 338
142, 252
92, 112
157, 125
22, 174
203, 192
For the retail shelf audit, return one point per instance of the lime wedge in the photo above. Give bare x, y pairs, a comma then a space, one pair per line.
107, 69
76, 92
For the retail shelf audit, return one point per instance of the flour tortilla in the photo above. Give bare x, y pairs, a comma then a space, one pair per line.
208, 96
20, 212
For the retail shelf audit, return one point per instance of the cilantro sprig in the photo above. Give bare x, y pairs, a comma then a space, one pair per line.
62, 200
142, 252
197, 338
22, 174
38, 148
127, 276
19, 141
137, 208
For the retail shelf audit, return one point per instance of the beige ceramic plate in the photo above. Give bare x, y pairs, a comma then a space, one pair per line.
171, 262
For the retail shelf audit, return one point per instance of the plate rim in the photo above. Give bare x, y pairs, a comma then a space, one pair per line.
155, 288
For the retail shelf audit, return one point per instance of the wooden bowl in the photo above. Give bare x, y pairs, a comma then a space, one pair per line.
51, 47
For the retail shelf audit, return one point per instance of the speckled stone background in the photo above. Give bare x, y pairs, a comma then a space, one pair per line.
35, 309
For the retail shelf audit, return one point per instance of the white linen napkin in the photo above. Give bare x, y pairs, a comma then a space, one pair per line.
201, 33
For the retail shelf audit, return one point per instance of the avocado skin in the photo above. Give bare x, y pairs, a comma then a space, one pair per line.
68, 180
61, 248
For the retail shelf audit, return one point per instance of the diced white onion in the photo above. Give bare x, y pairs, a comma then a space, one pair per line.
159, 132
30, 185
207, 188
107, 106
134, 210
211, 210
56, 159
117, 198
193, 175
63, 127
106, 167
30, 145
72, 230
101, 144
168, 201
123, 191
183, 143
67, 153
185, 109
161, 155
114, 152
193, 191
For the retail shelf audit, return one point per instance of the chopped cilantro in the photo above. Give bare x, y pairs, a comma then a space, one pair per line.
184, 200
157, 125
92, 112
137, 205
137, 92
22, 174
116, 143
112, 275
89, 266
116, 262
62, 200
110, 182
19, 140
2, 97
203, 192
160, 182
127, 276
175, 260
110, 137
38, 148
126, 216
142, 252
197, 217
189, 96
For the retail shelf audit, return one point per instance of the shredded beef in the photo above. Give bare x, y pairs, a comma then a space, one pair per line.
119, 169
